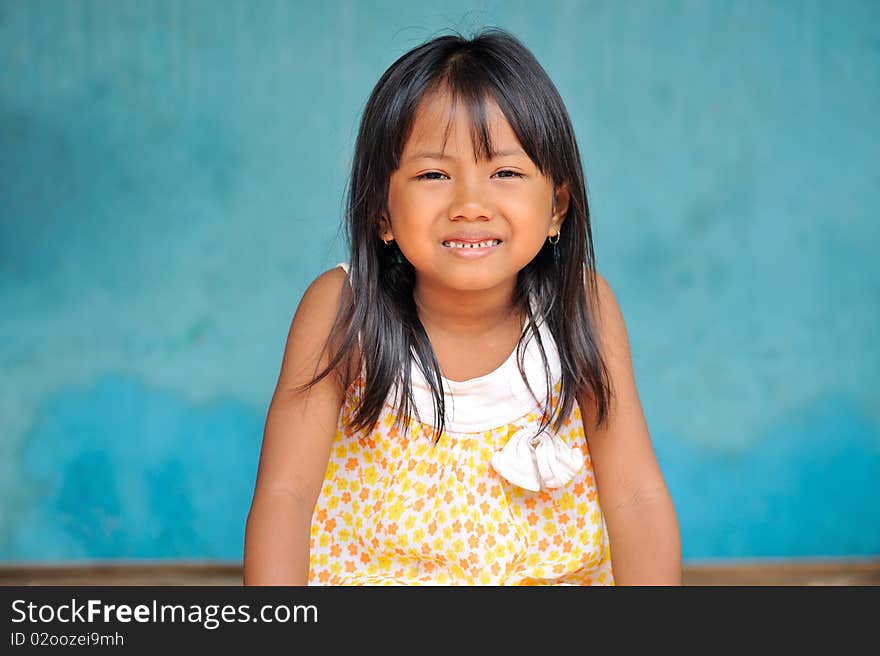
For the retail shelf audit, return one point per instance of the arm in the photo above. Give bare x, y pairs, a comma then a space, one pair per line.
296, 445
639, 513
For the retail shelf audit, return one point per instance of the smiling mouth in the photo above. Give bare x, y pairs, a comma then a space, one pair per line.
472, 245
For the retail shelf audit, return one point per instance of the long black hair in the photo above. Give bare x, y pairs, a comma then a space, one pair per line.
380, 312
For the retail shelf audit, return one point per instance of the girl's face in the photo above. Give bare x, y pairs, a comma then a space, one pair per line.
437, 195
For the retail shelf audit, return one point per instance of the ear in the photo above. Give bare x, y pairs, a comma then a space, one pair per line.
561, 199
384, 229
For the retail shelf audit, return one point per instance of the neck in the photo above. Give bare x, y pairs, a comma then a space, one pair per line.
464, 314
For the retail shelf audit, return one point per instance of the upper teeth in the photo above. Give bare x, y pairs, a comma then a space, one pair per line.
481, 244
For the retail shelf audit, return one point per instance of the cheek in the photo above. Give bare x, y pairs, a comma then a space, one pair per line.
530, 212
416, 210
400, 197
536, 201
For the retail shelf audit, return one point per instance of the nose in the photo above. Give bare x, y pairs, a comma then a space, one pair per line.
469, 202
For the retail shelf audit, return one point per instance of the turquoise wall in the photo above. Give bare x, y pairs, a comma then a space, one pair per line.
172, 177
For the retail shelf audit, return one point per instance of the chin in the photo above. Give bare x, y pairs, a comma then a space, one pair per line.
475, 282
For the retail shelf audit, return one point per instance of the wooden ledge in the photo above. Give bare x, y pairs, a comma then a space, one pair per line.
846, 572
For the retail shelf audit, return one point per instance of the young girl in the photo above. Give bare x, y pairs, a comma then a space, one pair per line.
456, 404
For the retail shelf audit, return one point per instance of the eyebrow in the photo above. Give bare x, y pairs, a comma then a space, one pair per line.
433, 154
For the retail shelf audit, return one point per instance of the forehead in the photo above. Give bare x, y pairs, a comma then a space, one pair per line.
444, 121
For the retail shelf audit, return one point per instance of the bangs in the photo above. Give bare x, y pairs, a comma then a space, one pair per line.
470, 84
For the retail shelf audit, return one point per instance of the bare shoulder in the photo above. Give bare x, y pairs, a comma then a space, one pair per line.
613, 337
325, 290
310, 329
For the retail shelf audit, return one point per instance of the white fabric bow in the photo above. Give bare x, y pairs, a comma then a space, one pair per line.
537, 462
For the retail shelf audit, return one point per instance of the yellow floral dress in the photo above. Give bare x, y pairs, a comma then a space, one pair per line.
399, 509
